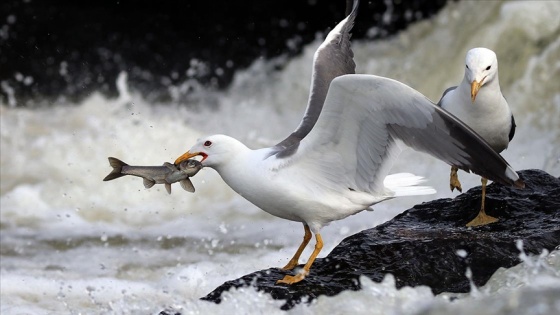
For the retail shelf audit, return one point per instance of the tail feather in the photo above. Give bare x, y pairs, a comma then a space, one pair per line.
406, 184
117, 165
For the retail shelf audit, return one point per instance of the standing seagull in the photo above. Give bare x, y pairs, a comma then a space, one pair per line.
479, 103
335, 164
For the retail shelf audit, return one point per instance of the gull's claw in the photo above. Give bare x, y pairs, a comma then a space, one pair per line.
292, 279
454, 180
482, 219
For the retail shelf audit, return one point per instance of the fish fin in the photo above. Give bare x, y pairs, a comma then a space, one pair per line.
168, 188
148, 183
117, 165
170, 166
187, 185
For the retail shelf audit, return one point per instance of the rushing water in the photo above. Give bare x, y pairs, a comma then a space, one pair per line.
73, 244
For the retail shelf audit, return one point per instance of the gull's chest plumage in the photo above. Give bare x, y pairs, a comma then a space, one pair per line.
286, 192
489, 115
255, 179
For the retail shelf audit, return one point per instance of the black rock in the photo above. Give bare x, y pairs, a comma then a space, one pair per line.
420, 246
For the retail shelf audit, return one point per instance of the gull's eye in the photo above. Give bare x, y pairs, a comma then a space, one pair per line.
467, 66
207, 143
488, 68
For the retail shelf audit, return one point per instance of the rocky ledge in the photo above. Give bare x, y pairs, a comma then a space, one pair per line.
430, 245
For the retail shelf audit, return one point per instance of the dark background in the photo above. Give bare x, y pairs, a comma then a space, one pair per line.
50, 49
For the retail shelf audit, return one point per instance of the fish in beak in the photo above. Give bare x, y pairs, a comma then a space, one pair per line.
187, 155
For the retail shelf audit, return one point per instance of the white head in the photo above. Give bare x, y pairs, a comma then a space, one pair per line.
481, 67
215, 150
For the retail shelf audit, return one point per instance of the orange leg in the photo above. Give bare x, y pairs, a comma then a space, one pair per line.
294, 261
454, 180
301, 275
482, 218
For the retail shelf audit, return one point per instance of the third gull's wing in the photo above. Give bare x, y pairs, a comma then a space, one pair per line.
332, 59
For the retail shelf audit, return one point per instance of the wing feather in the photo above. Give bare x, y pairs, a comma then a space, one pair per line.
332, 59
363, 118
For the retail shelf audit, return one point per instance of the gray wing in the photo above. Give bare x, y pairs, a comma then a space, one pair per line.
363, 117
444, 93
332, 59
512, 129
513, 125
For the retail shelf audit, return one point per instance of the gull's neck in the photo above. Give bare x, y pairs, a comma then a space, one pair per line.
488, 96
242, 163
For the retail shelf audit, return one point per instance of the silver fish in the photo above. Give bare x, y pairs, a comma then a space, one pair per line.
166, 174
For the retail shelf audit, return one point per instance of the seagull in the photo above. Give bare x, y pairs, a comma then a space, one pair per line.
337, 161
478, 102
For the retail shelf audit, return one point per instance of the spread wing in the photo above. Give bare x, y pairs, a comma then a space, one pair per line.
354, 139
332, 59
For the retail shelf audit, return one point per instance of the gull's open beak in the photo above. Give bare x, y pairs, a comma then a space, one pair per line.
189, 155
475, 86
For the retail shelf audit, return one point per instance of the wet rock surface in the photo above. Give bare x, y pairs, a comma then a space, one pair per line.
430, 245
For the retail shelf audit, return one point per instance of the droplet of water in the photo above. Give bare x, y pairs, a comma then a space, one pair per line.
215, 243
223, 228
461, 253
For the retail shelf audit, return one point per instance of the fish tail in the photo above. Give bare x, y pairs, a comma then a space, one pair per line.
117, 166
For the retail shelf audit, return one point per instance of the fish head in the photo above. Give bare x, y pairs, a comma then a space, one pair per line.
190, 166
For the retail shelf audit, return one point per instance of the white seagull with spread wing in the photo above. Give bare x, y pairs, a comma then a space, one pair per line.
335, 164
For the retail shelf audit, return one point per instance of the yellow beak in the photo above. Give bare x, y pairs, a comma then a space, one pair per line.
475, 86
187, 155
